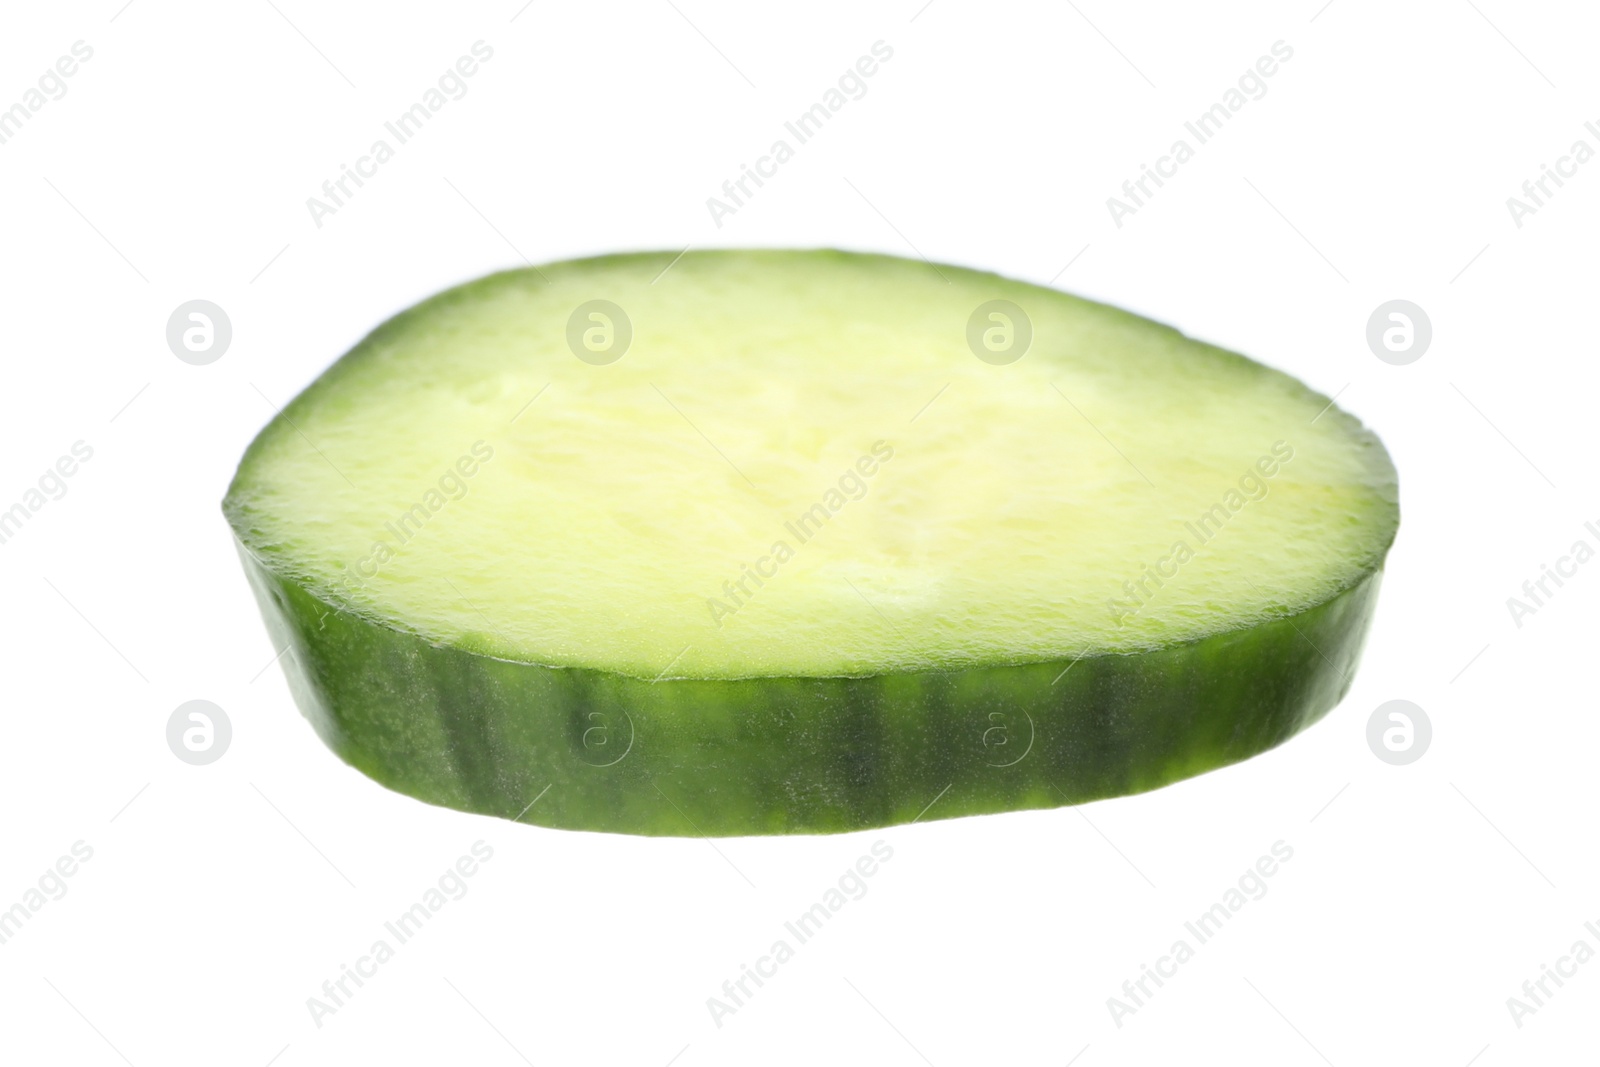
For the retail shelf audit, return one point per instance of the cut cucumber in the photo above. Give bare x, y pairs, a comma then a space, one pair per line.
803, 541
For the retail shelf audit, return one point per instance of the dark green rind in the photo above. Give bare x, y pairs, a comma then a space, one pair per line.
601, 751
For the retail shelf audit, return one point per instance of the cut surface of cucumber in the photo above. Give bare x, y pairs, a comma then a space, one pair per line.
788, 541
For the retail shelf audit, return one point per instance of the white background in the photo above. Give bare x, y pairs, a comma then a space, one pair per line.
220, 898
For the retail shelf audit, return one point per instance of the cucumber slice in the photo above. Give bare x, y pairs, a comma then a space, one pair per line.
803, 541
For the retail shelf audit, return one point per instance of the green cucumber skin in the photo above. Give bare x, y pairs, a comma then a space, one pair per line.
798, 755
